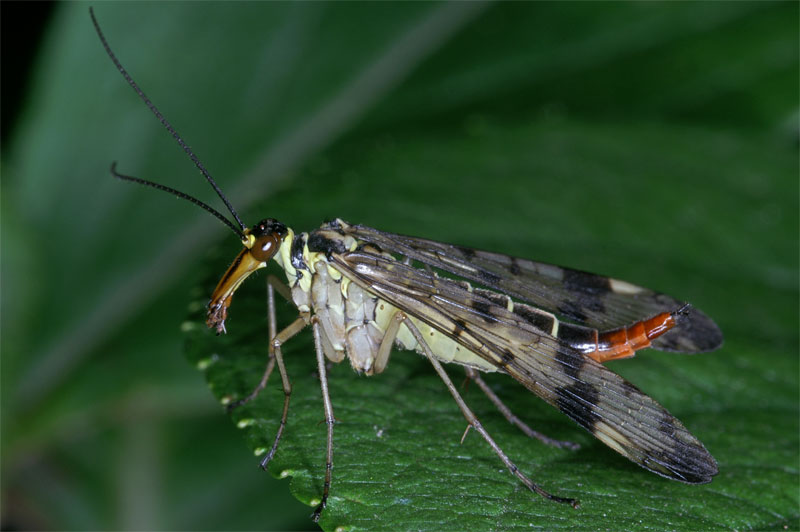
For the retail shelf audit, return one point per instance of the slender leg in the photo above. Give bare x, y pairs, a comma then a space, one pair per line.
276, 355
295, 327
273, 283
280, 286
473, 421
385, 349
271, 358
513, 419
329, 419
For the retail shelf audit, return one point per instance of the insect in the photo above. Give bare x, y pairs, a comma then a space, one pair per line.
362, 291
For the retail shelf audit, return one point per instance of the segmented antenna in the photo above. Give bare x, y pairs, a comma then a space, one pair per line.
177, 138
178, 193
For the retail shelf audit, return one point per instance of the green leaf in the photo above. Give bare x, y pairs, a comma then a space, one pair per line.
652, 142
398, 461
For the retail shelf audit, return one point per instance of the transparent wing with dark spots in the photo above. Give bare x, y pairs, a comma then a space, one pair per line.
613, 410
583, 298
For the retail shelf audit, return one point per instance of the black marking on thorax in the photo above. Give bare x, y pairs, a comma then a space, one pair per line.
318, 242
296, 252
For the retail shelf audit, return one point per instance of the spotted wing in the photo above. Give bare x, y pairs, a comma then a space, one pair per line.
583, 298
613, 410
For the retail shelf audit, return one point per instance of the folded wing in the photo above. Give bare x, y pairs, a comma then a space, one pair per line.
580, 297
601, 401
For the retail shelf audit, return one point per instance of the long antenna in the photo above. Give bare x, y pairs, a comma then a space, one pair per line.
181, 195
175, 135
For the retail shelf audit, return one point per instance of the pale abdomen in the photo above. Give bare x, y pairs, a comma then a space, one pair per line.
354, 323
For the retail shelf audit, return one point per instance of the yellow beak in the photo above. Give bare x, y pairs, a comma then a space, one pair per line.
243, 265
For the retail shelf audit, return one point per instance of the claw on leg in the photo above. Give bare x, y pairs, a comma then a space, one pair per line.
329, 419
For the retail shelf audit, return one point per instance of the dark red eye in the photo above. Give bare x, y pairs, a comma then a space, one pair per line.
265, 247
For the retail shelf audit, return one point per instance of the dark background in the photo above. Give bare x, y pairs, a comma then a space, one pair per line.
20, 45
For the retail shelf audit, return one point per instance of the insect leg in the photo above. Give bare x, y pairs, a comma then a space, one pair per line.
271, 357
473, 421
329, 419
513, 419
280, 286
273, 283
275, 346
385, 349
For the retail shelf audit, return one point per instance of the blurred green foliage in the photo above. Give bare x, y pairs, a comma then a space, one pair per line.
656, 142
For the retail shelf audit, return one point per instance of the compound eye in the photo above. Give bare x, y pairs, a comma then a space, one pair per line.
265, 247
